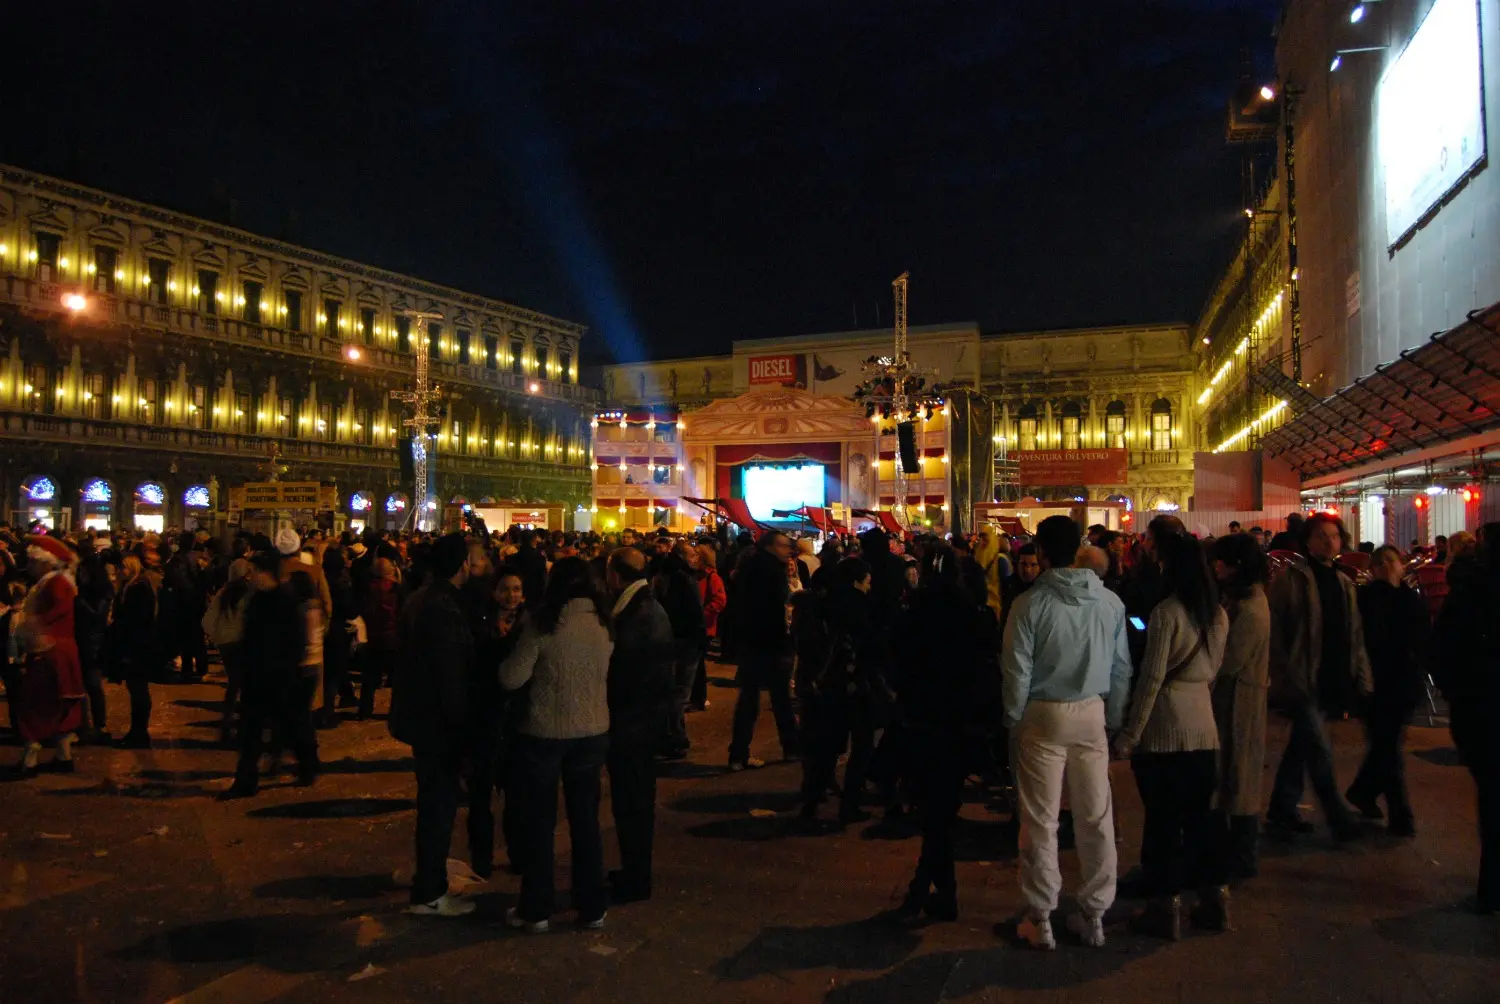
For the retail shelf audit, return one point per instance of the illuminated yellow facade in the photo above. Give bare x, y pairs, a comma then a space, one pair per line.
139, 346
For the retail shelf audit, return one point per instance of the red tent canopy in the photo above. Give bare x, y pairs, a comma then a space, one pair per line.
734, 510
816, 515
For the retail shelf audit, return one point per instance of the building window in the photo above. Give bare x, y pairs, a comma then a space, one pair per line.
517, 356
47, 247
1161, 424
93, 395
38, 389
253, 293
293, 310
403, 333
208, 291
539, 360
491, 346
434, 340
200, 416
1114, 425
325, 421
241, 417
158, 278
1072, 420
457, 444
661, 474
367, 325
196, 497
331, 318
463, 348
145, 403
286, 417
106, 260
564, 365
1027, 423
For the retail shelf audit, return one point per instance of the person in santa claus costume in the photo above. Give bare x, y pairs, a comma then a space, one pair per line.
51, 687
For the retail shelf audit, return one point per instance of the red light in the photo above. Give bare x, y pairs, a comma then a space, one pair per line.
1471, 495
1420, 502
1126, 517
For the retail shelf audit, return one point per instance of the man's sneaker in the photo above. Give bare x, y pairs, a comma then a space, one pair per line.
514, 919
1287, 825
444, 906
1089, 928
1036, 932
749, 763
593, 923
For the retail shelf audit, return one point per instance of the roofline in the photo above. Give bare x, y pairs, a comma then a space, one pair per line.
1097, 329
10, 174
863, 334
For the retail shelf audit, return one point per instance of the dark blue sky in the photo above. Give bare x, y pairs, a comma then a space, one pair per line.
677, 175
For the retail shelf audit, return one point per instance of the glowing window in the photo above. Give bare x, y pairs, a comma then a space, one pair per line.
196, 497
98, 492
42, 490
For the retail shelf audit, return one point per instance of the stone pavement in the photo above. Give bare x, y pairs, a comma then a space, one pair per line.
127, 882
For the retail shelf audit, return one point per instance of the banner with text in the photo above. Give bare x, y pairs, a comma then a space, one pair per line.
1072, 467
786, 370
283, 495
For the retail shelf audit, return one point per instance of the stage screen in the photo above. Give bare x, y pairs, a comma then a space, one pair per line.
782, 487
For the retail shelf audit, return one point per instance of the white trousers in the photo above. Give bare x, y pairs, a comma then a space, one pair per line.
1058, 740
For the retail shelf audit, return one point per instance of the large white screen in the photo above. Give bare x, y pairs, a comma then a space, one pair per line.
768, 488
1431, 114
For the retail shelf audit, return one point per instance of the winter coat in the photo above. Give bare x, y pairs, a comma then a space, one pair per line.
430, 691
713, 597
1396, 633
381, 615
760, 598
640, 672
1239, 700
273, 645
677, 592
568, 671
946, 668
1297, 636
1177, 715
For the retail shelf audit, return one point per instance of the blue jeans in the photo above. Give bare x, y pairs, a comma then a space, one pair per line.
539, 765
1308, 753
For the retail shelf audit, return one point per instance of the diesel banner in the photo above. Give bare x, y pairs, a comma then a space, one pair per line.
788, 370
1073, 467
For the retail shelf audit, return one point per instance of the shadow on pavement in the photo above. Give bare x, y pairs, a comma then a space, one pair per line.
738, 802
682, 770
1444, 930
1441, 756
867, 945
333, 808
955, 975
330, 887
148, 790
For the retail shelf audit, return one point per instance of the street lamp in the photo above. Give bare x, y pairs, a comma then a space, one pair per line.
75, 302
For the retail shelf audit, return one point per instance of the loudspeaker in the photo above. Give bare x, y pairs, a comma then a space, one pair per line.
408, 466
906, 439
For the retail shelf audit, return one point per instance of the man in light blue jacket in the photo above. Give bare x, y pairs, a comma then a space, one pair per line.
1066, 679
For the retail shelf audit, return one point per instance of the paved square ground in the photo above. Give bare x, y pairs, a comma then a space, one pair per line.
127, 882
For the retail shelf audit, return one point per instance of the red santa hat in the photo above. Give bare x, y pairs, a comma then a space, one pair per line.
50, 550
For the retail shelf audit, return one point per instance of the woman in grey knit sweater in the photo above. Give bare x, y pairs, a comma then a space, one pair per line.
1173, 743
563, 655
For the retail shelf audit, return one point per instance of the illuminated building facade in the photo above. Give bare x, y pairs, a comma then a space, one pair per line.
1370, 303
149, 361
1125, 392
1119, 397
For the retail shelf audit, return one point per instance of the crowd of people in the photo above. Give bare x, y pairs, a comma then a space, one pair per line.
521, 662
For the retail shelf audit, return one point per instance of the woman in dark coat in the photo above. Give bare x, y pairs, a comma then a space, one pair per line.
1396, 633
337, 642
1468, 672
948, 694
838, 683
134, 655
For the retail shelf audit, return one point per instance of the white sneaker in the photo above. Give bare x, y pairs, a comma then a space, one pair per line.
1090, 929
1036, 932
514, 919
597, 924
444, 906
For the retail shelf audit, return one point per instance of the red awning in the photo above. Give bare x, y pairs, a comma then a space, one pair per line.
637, 503
887, 454
887, 520
734, 510
816, 515
604, 461
608, 503
637, 461
934, 451
886, 500
935, 500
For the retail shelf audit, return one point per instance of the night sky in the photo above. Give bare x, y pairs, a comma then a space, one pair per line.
677, 175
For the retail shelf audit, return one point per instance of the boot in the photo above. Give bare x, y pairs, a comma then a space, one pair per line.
942, 905
1212, 911
1162, 918
1244, 839
64, 761
29, 759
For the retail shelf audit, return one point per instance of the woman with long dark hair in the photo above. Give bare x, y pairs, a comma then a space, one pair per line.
1239, 698
1172, 740
948, 693
563, 652
1468, 671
